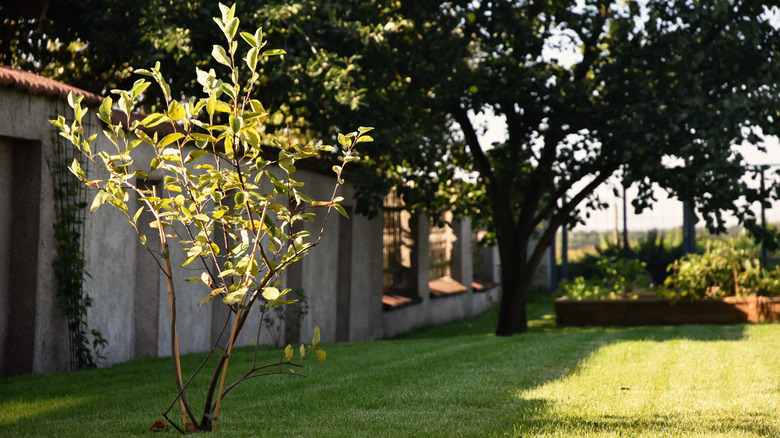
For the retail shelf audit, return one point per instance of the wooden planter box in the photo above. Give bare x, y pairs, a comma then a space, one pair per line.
657, 311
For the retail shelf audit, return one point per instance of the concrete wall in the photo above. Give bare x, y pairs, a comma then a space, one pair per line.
341, 278
6, 179
35, 335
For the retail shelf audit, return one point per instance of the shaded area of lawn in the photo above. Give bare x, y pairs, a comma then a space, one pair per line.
453, 380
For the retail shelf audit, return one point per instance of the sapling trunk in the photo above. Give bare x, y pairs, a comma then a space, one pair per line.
185, 409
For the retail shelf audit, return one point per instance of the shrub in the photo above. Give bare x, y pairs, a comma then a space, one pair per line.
227, 195
614, 278
723, 270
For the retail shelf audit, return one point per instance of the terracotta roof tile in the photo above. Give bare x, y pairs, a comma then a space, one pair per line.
441, 287
34, 84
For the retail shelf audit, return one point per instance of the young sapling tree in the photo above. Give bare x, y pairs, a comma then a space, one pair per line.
226, 196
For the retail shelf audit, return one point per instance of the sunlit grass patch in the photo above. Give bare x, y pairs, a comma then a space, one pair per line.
672, 387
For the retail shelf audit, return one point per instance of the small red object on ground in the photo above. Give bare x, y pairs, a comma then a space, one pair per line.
158, 426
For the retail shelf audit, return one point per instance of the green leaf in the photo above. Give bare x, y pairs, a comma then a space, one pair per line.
274, 52
221, 352
286, 161
235, 297
138, 214
227, 12
220, 55
236, 123
74, 100
170, 138
229, 90
344, 141
211, 104
105, 111
191, 258
316, 339
143, 136
154, 119
199, 136
252, 137
99, 200
139, 87
176, 110
249, 38
251, 57
271, 293
194, 155
341, 210
282, 302
231, 27
364, 139
122, 103
222, 107
75, 168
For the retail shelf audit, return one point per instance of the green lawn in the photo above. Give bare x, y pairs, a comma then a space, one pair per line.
456, 380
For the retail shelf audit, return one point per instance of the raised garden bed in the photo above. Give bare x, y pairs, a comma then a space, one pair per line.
657, 311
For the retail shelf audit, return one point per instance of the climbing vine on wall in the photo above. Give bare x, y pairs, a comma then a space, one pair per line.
85, 344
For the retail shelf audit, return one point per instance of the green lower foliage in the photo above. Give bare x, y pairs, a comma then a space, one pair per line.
615, 278
724, 269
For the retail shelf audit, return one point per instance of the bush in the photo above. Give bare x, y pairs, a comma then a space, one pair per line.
614, 278
723, 270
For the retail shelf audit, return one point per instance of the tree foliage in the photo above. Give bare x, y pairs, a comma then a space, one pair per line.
659, 92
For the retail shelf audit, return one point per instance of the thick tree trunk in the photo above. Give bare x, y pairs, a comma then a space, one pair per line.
514, 285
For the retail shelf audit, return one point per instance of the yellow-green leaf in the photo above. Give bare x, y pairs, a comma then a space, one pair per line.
176, 111
341, 210
194, 155
343, 140
105, 109
170, 138
320, 354
220, 55
211, 104
316, 339
274, 52
249, 38
153, 119
288, 353
270, 293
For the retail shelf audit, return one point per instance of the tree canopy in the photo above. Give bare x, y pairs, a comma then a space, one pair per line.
659, 92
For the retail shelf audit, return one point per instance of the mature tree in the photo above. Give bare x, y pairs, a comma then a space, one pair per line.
662, 94
658, 93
